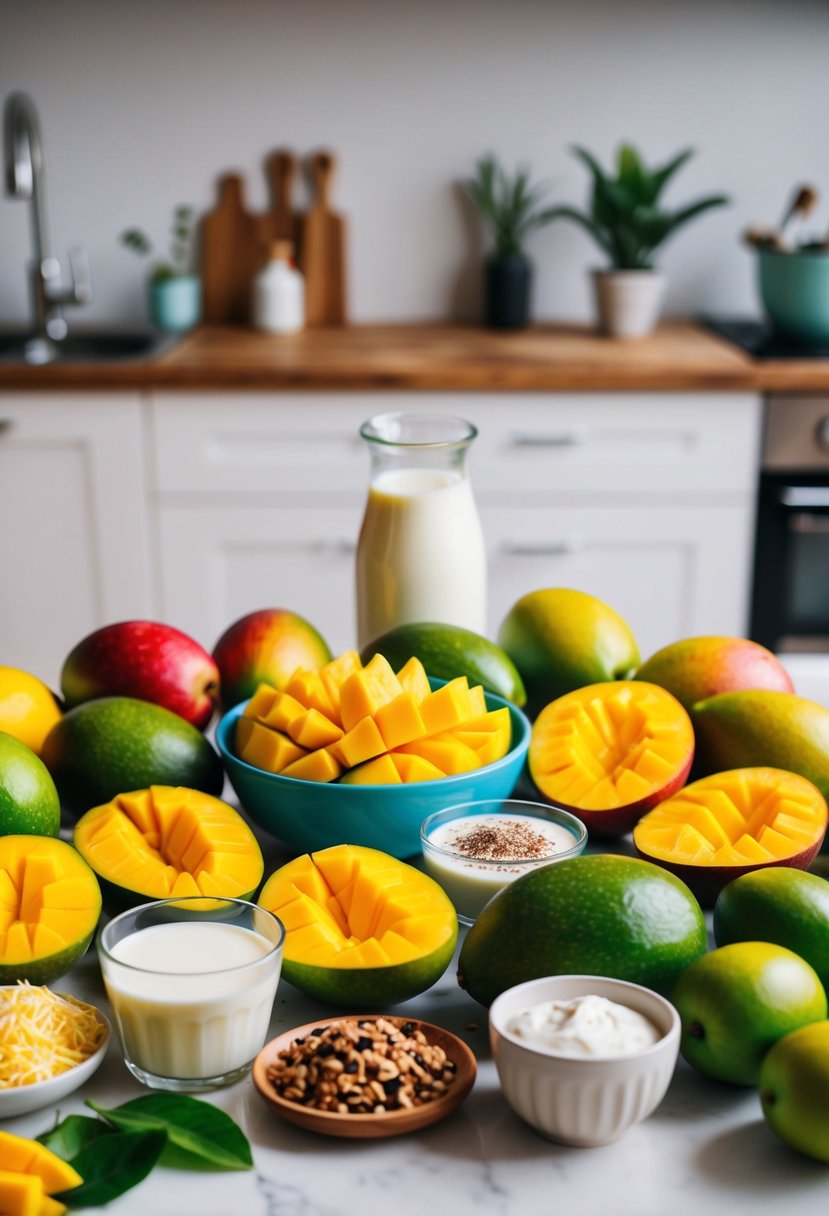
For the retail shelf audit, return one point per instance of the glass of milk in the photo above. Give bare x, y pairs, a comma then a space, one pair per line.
476, 848
420, 555
191, 983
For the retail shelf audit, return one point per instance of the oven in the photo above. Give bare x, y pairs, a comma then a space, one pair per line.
790, 593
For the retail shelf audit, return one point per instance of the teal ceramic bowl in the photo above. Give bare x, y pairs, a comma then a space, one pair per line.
794, 288
308, 815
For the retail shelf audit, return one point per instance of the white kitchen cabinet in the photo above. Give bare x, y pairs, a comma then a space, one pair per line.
671, 572
73, 506
645, 500
220, 562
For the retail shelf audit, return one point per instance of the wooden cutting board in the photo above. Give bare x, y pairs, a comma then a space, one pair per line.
322, 253
282, 220
231, 254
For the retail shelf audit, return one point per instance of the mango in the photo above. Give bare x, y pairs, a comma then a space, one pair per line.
754, 728
22, 1156
266, 647
102, 748
697, 668
611, 751
362, 929
598, 915
50, 902
165, 841
447, 651
716, 829
560, 639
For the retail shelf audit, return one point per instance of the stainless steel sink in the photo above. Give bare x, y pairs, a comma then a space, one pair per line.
85, 346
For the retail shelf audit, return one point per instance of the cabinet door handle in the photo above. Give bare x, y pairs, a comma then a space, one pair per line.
557, 547
571, 438
805, 498
6, 425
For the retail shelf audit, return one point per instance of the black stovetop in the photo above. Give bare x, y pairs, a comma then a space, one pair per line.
760, 341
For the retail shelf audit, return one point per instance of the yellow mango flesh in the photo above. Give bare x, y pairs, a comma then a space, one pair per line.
20, 1194
609, 745
350, 906
379, 771
171, 842
23, 1156
413, 679
346, 717
754, 815
264, 748
48, 898
316, 766
367, 691
359, 744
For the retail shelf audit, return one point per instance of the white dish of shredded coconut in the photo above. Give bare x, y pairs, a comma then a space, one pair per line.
50, 1044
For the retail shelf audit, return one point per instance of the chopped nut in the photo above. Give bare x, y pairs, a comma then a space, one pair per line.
362, 1067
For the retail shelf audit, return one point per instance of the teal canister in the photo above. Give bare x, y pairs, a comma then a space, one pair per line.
175, 302
794, 288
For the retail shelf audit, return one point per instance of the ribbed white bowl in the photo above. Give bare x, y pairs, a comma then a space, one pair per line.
583, 1101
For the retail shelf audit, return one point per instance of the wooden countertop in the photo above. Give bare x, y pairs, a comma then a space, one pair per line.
679, 356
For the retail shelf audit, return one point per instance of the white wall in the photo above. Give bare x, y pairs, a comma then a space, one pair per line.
143, 104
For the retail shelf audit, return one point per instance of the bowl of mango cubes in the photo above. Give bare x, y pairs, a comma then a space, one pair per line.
354, 754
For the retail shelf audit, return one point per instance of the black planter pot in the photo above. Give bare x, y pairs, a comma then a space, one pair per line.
507, 281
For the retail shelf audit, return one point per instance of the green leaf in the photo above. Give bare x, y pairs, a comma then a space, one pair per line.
578, 217
66, 1139
662, 176
198, 1128
112, 1165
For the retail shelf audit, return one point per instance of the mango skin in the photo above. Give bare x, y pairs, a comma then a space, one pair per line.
370, 987
447, 651
266, 647
794, 1089
780, 905
561, 640
695, 669
756, 728
118, 744
594, 915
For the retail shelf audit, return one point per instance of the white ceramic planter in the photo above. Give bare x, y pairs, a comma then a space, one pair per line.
628, 302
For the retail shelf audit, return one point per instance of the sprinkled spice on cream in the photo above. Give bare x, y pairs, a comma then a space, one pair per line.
474, 856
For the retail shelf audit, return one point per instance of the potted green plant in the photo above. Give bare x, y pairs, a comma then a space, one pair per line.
510, 208
174, 289
628, 223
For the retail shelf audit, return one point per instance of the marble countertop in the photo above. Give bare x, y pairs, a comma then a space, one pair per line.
705, 1150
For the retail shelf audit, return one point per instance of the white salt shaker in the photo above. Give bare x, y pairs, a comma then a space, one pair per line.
278, 297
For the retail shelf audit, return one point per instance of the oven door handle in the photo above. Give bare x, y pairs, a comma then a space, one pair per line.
804, 498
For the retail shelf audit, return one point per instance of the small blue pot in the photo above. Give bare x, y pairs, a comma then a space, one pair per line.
175, 303
794, 288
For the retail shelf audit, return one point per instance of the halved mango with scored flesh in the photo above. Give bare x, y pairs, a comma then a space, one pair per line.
182, 842
362, 928
720, 827
50, 902
611, 751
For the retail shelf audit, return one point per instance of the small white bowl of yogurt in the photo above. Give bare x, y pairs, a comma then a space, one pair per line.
476, 848
583, 1058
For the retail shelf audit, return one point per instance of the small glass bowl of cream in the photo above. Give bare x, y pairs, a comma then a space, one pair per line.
476, 848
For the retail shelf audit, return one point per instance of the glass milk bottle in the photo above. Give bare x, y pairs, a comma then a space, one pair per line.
421, 553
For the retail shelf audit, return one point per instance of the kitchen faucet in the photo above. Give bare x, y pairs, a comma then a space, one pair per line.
26, 179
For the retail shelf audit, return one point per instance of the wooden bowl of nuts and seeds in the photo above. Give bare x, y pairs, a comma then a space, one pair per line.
365, 1075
